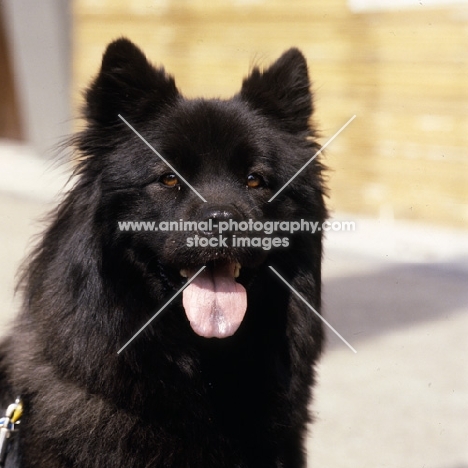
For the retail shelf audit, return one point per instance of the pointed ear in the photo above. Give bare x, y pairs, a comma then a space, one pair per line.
282, 92
127, 84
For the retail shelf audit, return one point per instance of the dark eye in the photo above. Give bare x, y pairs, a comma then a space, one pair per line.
169, 180
255, 180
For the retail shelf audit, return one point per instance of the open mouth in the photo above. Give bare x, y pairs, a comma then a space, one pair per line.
215, 303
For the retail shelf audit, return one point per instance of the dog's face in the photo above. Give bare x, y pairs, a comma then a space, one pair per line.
221, 161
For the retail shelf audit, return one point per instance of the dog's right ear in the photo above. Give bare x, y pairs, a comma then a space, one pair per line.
282, 92
127, 84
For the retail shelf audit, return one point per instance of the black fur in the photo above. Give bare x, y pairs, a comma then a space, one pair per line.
171, 398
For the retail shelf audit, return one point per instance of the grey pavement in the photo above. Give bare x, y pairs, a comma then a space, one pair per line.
398, 292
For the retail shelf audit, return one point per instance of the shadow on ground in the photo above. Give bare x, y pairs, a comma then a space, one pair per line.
361, 306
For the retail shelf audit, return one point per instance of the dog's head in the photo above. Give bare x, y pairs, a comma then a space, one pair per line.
195, 166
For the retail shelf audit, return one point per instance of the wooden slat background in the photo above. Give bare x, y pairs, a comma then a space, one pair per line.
404, 74
10, 123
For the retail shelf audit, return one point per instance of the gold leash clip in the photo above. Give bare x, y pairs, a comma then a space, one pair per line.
8, 428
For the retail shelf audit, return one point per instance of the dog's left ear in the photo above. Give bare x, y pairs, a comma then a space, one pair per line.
127, 84
282, 91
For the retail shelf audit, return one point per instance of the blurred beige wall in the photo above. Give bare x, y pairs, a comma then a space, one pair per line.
404, 74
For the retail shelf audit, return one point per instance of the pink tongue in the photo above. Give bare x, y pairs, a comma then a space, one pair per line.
214, 302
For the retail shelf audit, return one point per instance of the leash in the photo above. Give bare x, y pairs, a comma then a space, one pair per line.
9, 428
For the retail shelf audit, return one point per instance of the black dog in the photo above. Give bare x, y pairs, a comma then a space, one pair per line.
222, 377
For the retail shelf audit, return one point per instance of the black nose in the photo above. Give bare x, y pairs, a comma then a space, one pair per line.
212, 214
